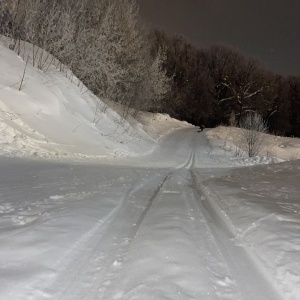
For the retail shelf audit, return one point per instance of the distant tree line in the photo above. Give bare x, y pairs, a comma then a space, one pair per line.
218, 85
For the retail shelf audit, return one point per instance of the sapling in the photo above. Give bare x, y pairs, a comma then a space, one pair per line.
252, 136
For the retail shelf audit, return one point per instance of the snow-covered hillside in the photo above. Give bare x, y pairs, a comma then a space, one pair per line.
178, 216
49, 115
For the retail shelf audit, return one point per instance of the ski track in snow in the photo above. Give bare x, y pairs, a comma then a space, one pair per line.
248, 275
109, 257
218, 277
163, 233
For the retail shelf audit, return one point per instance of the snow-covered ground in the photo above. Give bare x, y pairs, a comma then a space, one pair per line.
260, 209
147, 209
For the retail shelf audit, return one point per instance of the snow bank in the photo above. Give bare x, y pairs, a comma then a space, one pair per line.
274, 149
159, 125
52, 116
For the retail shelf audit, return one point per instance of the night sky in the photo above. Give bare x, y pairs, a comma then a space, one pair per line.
266, 29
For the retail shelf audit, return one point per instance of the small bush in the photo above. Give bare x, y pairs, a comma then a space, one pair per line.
252, 137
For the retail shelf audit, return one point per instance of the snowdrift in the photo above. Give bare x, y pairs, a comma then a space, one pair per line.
48, 115
274, 149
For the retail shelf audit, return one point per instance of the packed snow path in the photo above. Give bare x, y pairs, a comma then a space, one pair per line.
143, 229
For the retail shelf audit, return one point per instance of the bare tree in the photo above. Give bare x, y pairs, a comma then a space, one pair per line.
252, 137
242, 87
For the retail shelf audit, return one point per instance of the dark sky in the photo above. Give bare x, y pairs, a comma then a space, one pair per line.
266, 29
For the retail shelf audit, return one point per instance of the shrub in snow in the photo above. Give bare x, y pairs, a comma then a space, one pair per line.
252, 137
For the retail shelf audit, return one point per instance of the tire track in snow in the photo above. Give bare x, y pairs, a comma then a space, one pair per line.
225, 284
65, 270
93, 260
122, 251
221, 279
235, 258
252, 283
97, 259
220, 276
189, 163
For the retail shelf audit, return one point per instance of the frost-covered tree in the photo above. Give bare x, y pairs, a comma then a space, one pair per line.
128, 53
156, 83
252, 138
99, 40
47, 25
120, 65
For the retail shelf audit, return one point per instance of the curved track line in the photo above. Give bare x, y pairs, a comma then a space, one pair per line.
73, 260
88, 260
123, 249
250, 279
119, 244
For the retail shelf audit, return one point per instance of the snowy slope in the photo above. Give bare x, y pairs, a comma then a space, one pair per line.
53, 116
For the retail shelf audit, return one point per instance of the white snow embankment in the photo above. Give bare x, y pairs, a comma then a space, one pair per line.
261, 205
159, 125
50, 115
274, 148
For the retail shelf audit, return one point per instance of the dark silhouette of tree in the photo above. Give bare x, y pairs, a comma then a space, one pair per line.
294, 99
209, 86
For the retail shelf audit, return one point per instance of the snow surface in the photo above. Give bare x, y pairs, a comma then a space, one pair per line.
140, 209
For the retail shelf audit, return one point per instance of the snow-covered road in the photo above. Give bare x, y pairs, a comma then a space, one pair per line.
143, 228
